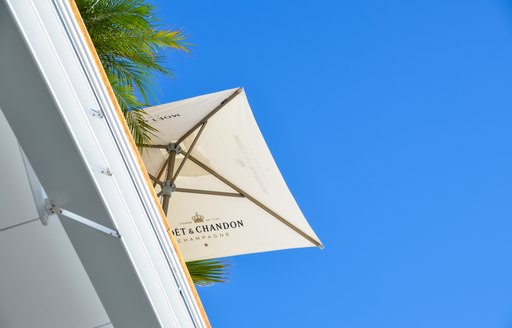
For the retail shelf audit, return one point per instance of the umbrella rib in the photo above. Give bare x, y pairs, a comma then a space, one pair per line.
189, 151
207, 117
152, 146
155, 180
163, 165
210, 192
162, 169
255, 201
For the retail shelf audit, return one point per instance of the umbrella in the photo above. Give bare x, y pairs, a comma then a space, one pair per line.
219, 185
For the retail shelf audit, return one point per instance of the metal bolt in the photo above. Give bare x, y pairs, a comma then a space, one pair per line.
107, 172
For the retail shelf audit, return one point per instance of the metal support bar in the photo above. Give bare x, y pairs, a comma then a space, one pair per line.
256, 202
89, 223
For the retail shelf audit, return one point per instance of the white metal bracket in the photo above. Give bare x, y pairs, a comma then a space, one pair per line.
45, 208
174, 147
168, 188
98, 113
52, 209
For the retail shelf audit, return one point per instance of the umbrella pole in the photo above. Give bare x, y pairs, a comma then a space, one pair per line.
168, 185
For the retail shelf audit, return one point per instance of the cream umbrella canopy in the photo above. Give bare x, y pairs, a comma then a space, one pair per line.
219, 185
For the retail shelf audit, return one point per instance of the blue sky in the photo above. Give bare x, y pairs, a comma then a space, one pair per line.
391, 123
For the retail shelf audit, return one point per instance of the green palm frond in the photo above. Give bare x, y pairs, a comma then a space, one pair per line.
129, 45
208, 272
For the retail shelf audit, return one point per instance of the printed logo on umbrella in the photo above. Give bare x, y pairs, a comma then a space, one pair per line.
203, 229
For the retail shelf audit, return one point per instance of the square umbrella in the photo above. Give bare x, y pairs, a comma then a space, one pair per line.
228, 196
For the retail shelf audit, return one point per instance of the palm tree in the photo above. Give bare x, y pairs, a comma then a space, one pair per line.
130, 49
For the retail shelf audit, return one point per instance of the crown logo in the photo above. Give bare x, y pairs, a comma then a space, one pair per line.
198, 218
